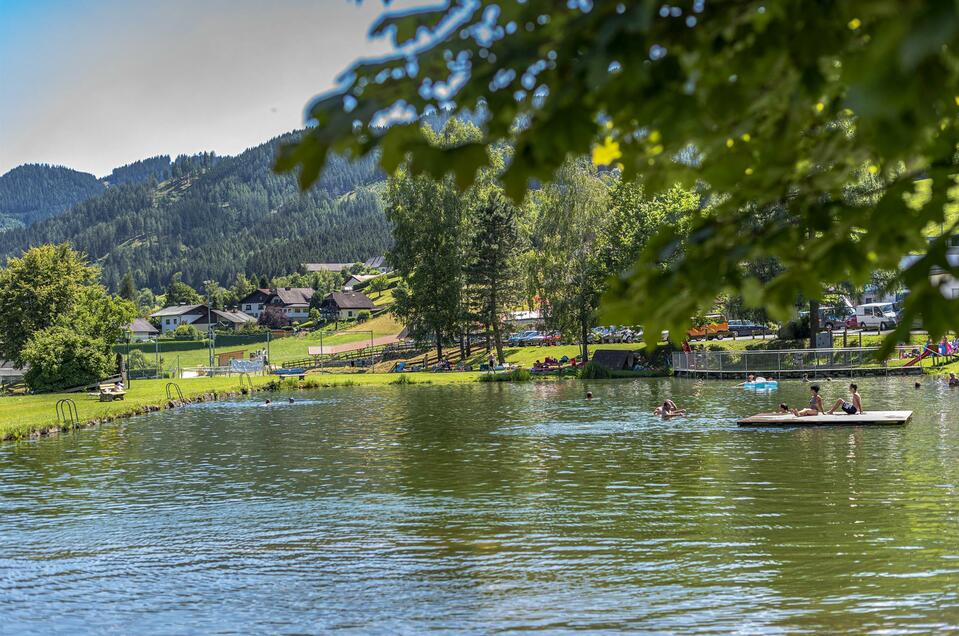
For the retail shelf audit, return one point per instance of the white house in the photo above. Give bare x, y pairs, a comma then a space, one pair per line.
172, 317
200, 316
358, 279
141, 329
294, 302
346, 305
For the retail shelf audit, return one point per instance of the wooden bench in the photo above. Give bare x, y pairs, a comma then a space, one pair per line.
109, 393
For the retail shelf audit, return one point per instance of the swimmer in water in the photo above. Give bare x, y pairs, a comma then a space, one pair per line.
669, 409
291, 400
589, 395
267, 402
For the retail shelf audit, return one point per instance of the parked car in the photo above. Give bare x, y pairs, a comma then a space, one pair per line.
876, 315
715, 327
533, 339
851, 322
747, 328
831, 319
552, 338
517, 338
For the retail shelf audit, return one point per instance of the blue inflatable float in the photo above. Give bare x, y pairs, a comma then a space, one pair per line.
761, 383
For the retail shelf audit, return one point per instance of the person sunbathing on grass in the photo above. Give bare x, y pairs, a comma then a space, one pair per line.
815, 404
849, 407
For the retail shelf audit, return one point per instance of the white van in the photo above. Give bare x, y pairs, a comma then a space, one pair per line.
872, 315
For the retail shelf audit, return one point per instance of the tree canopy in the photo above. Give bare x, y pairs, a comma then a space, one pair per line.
56, 317
777, 107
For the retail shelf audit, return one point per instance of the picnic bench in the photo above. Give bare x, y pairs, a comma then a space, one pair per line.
283, 373
110, 392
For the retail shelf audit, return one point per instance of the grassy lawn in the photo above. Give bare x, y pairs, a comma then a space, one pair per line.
22, 415
281, 349
383, 298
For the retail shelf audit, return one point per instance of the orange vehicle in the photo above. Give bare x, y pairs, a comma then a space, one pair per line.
714, 327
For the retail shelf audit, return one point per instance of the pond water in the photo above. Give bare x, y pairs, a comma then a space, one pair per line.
485, 508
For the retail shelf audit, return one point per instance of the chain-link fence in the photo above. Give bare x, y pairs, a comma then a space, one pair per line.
792, 360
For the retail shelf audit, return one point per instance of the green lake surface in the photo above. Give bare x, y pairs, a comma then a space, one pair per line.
489, 508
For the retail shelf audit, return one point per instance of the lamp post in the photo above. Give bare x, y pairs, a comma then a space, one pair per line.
209, 320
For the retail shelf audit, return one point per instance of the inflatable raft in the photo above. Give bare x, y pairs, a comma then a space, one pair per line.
761, 383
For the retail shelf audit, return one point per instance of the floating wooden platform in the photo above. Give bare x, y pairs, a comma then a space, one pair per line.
870, 418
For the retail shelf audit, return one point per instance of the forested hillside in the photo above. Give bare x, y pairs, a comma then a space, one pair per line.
219, 216
34, 192
153, 168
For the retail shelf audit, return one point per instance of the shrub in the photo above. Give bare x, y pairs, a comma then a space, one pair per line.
403, 379
363, 316
136, 359
187, 332
593, 371
516, 375
795, 329
60, 358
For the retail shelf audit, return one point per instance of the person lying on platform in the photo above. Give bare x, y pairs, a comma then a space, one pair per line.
784, 408
815, 404
849, 408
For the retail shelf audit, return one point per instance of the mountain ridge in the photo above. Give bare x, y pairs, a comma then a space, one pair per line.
213, 217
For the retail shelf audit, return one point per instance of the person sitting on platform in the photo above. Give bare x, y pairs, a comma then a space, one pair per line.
815, 404
849, 408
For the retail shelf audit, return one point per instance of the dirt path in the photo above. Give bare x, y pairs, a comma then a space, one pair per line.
352, 346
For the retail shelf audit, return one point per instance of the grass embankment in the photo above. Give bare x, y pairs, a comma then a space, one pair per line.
23, 416
281, 349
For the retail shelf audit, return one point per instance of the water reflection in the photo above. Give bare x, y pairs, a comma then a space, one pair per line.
487, 507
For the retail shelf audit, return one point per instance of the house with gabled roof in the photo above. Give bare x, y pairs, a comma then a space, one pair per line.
294, 302
200, 316
346, 305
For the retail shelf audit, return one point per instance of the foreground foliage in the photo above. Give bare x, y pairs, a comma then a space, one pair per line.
778, 108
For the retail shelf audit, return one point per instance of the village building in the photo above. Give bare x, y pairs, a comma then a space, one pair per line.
141, 329
346, 305
378, 263
199, 316
310, 268
358, 279
293, 302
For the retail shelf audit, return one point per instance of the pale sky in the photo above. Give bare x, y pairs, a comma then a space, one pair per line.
94, 84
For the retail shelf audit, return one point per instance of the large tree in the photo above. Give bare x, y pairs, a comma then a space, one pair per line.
429, 237
56, 317
39, 289
493, 265
774, 103
179, 293
568, 265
